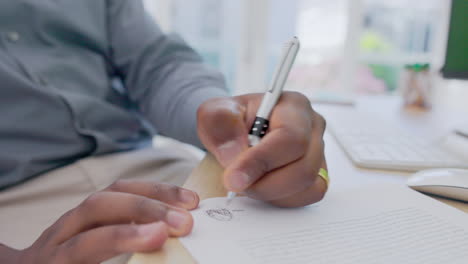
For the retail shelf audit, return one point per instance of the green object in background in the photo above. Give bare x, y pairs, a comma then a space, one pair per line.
417, 67
387, 73
456, 59
372, 42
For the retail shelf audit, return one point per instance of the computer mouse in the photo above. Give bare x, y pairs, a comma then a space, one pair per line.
450, 183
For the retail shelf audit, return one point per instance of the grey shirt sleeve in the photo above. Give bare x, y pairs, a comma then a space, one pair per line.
162, 74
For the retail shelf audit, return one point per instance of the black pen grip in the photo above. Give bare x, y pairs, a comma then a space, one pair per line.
259, 127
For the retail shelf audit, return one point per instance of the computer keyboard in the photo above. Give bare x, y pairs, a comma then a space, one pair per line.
375, 144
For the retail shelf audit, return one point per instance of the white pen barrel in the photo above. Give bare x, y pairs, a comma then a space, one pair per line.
280, 77
271, 97
268, 102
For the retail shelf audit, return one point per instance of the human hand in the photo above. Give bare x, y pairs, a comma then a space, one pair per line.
128, 216
283, 168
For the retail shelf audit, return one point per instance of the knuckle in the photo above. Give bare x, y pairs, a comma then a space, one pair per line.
67, 215
59, 224
150, 208
141, 205
205, 106
91, 202
299, 98
123, 232
161, 211
318, 118
219, 120
118, 185
156, 189
173, 191
203, 109
216, 109
165, 191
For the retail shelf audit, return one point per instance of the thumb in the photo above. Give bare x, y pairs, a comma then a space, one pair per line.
222, 129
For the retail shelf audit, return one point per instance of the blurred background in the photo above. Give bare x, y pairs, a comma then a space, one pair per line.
349, 47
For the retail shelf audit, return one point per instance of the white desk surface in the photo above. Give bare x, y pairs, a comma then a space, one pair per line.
434, 124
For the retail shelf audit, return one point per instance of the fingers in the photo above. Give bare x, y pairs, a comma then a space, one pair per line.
287, 141
283, 167
128, 216
100, 244
278, 148
166, 193
290, 179
110, 208
222, 129
310, 195
294, 134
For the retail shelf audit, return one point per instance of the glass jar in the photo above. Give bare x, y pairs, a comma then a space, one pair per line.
416, 86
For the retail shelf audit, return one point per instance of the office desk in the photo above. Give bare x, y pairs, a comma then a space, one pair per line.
206, 181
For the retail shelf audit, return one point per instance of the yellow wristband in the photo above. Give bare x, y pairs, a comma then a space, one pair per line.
324, 174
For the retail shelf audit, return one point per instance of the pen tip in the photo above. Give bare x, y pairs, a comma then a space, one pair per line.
230, 196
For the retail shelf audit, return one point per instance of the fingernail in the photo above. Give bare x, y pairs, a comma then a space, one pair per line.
187, 196
228, 152
239, 180
176, 219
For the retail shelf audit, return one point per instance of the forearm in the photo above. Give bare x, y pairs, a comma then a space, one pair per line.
170, 88
172, 104
163, 75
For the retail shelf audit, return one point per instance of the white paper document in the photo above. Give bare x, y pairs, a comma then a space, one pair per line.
387, 224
